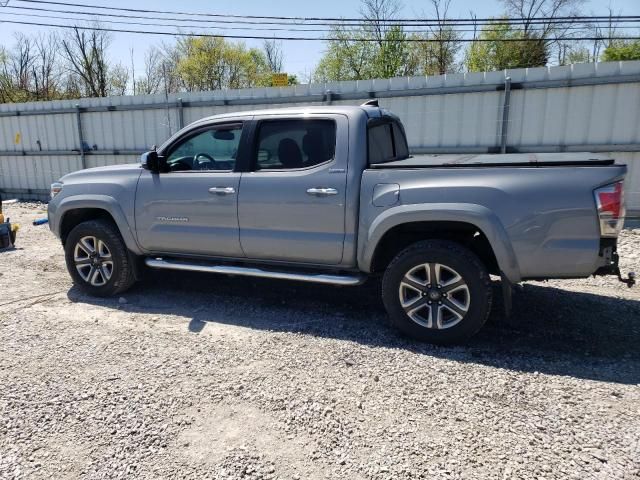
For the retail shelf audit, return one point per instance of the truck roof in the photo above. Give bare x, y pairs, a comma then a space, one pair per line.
370, 111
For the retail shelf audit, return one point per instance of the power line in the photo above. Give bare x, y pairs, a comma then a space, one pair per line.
291, 27
323, 39
335, 21
226, 27
361, 22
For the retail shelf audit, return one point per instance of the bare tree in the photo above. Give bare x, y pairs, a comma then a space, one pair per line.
379, 16
21, 60
170, 81
539, 21
274, 55
118, 80
46, 68
151, 80
540, 14
86, 52
448, 40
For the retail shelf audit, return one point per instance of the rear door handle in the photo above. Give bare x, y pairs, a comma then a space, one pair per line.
222, 190
322, 191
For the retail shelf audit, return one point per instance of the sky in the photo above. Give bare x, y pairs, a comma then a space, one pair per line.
300, 56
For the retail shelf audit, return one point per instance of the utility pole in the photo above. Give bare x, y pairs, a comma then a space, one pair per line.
133, 72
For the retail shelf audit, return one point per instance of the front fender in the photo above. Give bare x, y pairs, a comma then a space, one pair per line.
481, 217
109, 204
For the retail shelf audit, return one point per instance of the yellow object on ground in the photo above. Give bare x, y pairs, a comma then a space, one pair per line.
14, 231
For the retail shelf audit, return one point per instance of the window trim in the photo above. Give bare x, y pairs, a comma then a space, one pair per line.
253, 164
169, 149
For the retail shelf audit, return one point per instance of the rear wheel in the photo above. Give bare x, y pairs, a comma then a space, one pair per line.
97, 259
437, 291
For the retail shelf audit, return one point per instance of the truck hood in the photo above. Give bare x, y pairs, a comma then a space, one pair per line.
89, 174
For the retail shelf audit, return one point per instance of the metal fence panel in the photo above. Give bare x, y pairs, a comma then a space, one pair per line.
580, 107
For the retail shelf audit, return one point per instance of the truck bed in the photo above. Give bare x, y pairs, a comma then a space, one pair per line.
501, 160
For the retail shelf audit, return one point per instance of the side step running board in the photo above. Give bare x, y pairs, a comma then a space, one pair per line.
345, 280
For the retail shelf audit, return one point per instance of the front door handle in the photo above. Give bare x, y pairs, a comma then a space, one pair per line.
322, 191
222, 190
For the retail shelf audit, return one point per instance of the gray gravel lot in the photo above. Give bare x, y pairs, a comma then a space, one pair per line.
196, 376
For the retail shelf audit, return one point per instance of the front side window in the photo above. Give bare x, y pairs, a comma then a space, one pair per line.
294, 144
213, 149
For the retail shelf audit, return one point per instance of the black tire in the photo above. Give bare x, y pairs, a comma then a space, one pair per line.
122, 274
476, 297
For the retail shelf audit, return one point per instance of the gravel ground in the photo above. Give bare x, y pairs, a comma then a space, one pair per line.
196, 376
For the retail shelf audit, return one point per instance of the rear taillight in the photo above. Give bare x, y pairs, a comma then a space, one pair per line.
610, 202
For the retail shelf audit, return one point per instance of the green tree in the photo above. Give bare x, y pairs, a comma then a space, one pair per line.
211, 63
622, 50
376, 49
501, 46
349, 59
346, 59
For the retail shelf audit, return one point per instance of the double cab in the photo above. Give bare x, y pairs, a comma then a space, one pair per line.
332, 194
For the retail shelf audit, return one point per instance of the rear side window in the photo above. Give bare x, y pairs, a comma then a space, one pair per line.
380, 143
386, 142
294, 144
400, 142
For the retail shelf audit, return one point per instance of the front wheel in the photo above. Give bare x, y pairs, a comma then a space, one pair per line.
437, 291
97, 259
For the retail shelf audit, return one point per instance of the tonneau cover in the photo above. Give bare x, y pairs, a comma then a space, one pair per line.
500, 160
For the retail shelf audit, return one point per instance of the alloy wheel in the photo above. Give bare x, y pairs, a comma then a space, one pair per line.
93, 261
434, 296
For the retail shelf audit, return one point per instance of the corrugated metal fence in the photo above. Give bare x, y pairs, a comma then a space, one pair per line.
585, 107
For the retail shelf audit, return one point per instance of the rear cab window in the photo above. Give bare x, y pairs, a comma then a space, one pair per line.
295, 144
386, 141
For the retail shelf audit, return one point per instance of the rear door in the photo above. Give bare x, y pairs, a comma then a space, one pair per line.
291, 205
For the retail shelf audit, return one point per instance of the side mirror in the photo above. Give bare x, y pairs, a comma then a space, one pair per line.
150, 161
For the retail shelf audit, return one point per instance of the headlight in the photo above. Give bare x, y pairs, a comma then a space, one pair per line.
56, 188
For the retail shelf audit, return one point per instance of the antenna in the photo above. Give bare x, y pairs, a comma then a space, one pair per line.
371, 103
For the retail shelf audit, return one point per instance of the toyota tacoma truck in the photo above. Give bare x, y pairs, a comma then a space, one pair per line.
331, 194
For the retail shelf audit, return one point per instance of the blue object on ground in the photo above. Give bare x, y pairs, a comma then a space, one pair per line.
41, 221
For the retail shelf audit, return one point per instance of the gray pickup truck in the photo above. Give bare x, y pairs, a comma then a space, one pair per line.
331, 194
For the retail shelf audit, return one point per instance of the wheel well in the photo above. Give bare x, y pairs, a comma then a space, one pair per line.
74, 218
466, 234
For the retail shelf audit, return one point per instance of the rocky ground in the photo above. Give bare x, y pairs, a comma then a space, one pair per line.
196, 376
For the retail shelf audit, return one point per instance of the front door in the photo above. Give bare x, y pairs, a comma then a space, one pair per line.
192, 207
292, 204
